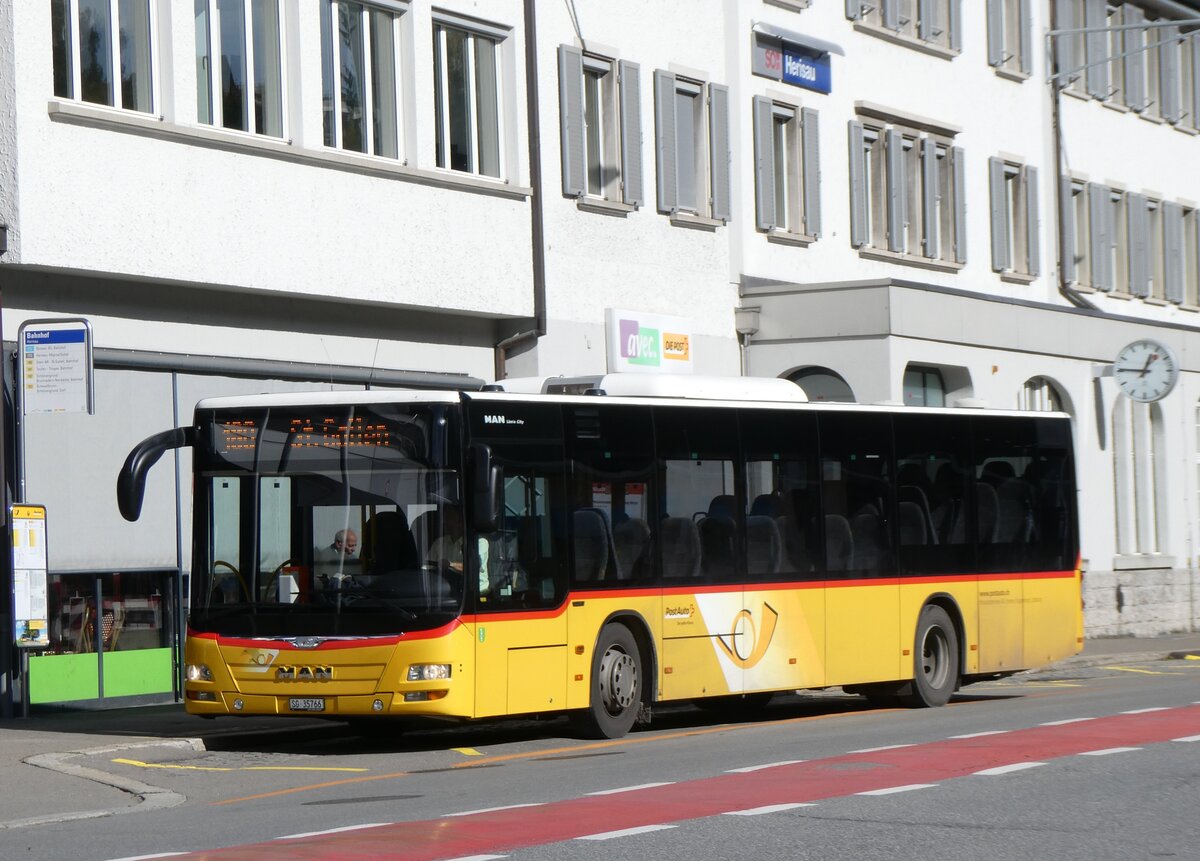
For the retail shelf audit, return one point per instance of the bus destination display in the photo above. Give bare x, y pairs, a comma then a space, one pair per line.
304, 432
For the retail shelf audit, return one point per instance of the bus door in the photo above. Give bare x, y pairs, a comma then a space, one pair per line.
519, 581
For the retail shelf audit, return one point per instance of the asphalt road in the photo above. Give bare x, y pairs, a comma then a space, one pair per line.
1095, 763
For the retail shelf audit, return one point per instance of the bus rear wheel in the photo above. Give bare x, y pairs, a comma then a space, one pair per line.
616, 696
935, 659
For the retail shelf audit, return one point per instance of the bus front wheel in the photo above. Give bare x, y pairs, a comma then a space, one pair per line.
616, 696
935, 659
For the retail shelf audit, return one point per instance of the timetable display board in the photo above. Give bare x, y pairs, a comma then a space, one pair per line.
29, 576
56, 366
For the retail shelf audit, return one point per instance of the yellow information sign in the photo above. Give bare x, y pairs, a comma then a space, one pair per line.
29, 576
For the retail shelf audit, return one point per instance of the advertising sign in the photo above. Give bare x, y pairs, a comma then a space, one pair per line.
29, 576
648, 342
56, 366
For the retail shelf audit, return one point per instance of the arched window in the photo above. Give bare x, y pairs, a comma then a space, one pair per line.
1039, 393
1139, 477
822, 384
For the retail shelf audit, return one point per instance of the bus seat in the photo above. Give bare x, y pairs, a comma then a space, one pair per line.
986, 505
631, 540
1014, 511
722, 505
799, 546
387, 544
763, 545
680, 548
765, 504
914, 495
996, 472
946, 510
592, 544
717, 549
913, 527
870, 539
839, 543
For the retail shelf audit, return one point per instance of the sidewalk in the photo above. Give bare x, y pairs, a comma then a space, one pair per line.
42, 780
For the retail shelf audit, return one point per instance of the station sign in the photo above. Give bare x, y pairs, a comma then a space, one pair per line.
30, 609
790, 63
56, 366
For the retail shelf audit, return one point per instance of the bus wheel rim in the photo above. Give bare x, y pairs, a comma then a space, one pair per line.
618, 680
934, 657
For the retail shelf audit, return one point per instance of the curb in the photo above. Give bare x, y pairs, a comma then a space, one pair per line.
148, 797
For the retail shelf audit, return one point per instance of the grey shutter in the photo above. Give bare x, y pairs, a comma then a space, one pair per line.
1025, 36
570, 109
1173, 247
665, 146
1099, 210
995, 32
955, 13
1096, 15
890, 13
1139, 241
764, 162
1135, 60
929, 197
1066, 206
1169, 72
925, 20
718, 140
854, 9
895, 190
1033, 246
858, 186
959, 190
1000, 258
1064, 47
632, 191
1193, 45
811, 167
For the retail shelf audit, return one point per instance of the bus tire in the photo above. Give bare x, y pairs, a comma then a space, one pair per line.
616, 696
935, 659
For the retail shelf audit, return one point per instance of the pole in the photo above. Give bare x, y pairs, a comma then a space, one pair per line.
7, 617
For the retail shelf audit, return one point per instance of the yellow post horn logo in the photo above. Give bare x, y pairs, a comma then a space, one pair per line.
757, 641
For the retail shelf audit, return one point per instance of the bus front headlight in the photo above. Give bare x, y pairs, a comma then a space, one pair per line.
428, 672
198, 673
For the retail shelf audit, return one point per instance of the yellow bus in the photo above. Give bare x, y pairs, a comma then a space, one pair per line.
480, 554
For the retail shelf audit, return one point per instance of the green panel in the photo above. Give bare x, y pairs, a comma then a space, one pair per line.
142, 671
61, 678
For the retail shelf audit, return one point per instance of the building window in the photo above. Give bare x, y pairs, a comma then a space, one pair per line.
1076, 258
1009, 35
1014, 204
601, 127
90, 65
823, 384
906, 190
692, 128
1115, 46
1189, 240
239, 65
360, 66
932, 22
1107, 267
786, 168
1189, 92
467, 100
1039, 393
1139, 477
924, 387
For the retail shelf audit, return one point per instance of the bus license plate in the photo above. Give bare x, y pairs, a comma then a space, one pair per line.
306, 704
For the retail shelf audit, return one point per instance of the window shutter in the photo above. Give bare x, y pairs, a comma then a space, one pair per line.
570, 108
1169, 72
1025, 36
1193, 45
718, 131
1033, 245
1135, 60
890, 14
664, 132
929, 197
1066, 207
858, 186
1172, 215
1099, 213
995, 32
1096, 45
959, 190
632, 191
811, 167
1000, 260
1064, 47
925, 20
854, 9
764, 163
955, 14
895, 190
1135, 220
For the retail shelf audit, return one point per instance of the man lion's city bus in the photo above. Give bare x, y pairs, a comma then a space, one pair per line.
599, 552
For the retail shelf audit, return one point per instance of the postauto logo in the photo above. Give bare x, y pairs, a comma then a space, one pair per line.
642, 345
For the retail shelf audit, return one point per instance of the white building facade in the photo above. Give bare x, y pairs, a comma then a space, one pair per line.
865, 198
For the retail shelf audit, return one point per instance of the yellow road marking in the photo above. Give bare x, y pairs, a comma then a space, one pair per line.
1136, 670
138, 763
466, 751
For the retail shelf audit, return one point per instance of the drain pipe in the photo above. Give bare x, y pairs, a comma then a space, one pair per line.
537, 232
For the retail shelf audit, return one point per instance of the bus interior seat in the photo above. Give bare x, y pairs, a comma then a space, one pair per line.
388, 545
1014, 511
911, 494
986, 506
766, 504
870, 538
592, 544
839, 543
631, 540
680, 548
799, 547
763, 544
996, 472
946, 510
910, 520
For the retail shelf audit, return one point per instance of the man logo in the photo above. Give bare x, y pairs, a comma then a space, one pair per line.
746, 646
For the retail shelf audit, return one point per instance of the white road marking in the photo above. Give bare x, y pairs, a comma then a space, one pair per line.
333, 830
147, 857
770, 808
1065, 722
626, 832
1008, 769
1109, 750
981, 734
1144, 711
630, 788
492, 809
885, 747
1188, 738
894, 789
750, 768
479, 858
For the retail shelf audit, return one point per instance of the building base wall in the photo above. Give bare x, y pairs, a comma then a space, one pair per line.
1142, 603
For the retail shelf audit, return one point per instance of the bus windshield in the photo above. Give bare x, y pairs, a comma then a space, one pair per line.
326, 521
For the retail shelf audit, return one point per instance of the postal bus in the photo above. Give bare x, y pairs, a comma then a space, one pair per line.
599, 553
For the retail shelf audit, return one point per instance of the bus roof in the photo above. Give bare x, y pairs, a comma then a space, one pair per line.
351, 396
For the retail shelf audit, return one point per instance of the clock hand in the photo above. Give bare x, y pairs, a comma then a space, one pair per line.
1146, 367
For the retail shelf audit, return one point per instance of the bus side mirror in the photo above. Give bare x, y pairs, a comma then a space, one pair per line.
487, 489
131, 480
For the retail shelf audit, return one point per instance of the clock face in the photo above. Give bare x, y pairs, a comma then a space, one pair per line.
1146, 370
